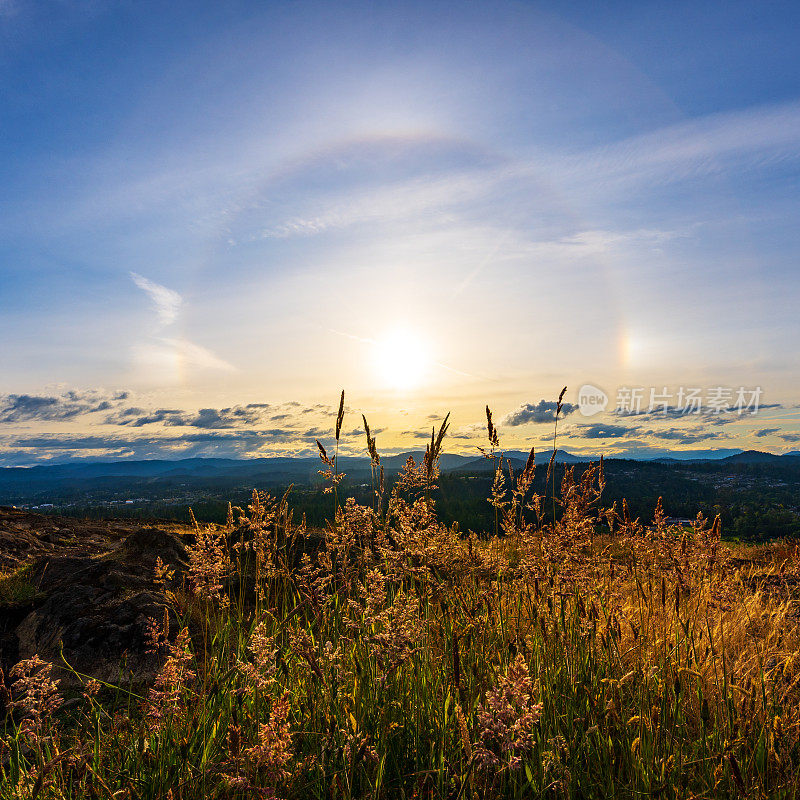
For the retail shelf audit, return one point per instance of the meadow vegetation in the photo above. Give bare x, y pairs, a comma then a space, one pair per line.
16, 586
572, 651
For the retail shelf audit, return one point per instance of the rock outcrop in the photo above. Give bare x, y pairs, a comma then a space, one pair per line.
94, 593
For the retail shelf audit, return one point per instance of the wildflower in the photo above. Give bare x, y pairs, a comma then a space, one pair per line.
263, 650
91, 688
209, 564
357, 748
157, 636
274, 749
494, 440
165, 700
330, 474
163, 572
507, 718
301, 644
391, 632
313, 581
332, 662
37, 693
239, 783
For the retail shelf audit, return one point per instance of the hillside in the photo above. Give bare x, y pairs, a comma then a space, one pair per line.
757, 495
396, 647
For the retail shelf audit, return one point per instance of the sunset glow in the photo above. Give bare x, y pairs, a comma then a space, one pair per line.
399, 399
434, 209
402, 360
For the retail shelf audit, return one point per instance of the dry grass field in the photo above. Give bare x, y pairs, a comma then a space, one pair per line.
571, 653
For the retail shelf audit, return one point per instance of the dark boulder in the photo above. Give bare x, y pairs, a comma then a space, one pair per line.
93, 601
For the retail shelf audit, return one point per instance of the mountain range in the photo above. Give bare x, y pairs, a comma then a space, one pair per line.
285, 470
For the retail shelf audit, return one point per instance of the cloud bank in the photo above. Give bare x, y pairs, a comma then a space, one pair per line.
543, 411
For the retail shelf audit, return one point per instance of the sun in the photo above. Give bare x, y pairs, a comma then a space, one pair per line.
402, 360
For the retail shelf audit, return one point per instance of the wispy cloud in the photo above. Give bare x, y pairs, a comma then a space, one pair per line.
754, 137
197, 356
167, 353
395, 202
167, 302
171, 357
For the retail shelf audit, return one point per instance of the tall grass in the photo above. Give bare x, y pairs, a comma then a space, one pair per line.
577, 654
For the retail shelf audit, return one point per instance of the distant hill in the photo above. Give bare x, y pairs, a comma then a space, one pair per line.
197, 477
752, 457
201, 473
217, 467
684, 456
543, 456
447, 461
518, 459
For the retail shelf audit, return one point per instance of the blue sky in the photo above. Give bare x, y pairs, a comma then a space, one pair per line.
433, 205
